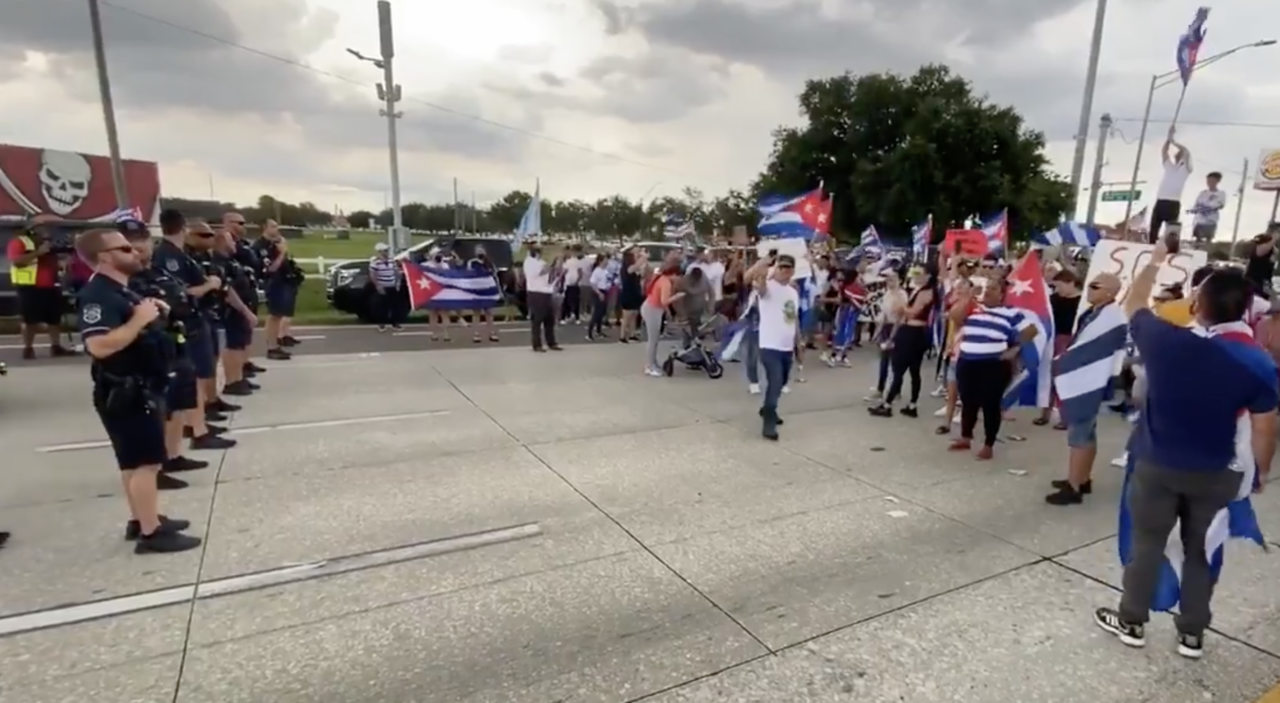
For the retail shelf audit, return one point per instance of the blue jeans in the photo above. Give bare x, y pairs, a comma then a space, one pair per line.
751, 355
777, 371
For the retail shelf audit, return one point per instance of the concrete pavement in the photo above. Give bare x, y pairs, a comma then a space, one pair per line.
455, 526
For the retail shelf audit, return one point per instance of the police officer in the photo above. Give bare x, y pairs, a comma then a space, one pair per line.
170, 257
280, 288
182, 396
130, 380
238, 318
233, 223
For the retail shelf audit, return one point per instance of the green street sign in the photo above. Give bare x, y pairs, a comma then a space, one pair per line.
1121, 196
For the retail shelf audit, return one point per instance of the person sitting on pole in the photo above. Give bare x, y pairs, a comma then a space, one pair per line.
1177, 168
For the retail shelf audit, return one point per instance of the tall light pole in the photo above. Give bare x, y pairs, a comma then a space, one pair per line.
1235, 226
1095, 183
108, 106
1160, 80
389, 94
1086, 107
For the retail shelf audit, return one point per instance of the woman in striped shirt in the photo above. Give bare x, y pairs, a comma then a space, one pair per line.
988, 348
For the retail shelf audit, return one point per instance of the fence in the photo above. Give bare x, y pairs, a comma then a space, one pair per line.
320, 264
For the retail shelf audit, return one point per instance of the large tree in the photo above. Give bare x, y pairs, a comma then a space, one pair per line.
894, 149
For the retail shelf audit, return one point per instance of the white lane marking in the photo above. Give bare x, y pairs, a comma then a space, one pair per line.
309, 337
459, 336
342, 422
292, 573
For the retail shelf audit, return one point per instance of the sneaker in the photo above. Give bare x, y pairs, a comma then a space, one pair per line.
1121, 461
844, 361
221, 406
786, 389
940, 412
880, 410
874, 397
212, 442
827, 359
178, 464
1085, 489
909, 411
278, 354
1190, 646
289, 341
382, 328
654, 373
215, 430
237, 388
939, 392
133, 530
397, 328
165, 543
165, 482
753, 388
211, 416
1132, 634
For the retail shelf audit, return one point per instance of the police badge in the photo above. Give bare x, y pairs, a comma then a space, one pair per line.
92, 314
171, 265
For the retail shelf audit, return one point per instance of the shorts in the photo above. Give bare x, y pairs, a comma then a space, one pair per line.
951, 371
239, 335
218, 338
1083, 434
182, 394
1204, 233
282, 299
40, 306
136, 439
200, 347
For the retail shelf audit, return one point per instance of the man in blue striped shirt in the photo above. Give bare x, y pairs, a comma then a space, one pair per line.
384, 275
989, 343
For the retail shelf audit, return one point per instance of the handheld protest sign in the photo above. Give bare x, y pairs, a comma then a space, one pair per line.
739, 237
965, 242
1125, 259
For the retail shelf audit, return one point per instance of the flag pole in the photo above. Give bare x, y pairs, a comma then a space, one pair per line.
1178, 110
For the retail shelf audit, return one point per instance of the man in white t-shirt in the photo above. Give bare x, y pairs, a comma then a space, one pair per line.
572, 305
712, 270
542, 312
1208, 206
778, 304
1176, 159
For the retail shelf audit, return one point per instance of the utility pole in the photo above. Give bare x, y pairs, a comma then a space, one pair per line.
1095, 183
457, 210
108, 106
1235, 226
389, 93
1086, 106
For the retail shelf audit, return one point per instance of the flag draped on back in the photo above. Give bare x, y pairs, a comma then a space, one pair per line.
1086, 369
1028, 292
1238, 519
450, 288
1189, 45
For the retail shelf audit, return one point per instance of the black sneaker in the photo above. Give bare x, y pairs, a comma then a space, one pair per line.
1131, 633
252, 369
1065, 495
251, 385
289, 341
212, 441
240, 388
881, 410
165, 543
133, 530
1086, 488
1190, 646
909, 411
214, 416
278, 354
165, 482
215, 430
397, 328
221, 406
178, 464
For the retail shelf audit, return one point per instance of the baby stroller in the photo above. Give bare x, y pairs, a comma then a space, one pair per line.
695, 351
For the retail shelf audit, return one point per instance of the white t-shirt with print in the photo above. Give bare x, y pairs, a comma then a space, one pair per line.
1173, 180
1209, 206
779, 310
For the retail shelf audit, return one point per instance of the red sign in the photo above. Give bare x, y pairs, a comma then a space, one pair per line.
72, 186
965, 242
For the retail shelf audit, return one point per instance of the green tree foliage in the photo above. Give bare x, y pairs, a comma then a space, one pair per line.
894, 149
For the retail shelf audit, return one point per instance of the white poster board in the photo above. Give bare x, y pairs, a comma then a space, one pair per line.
794, 247
1267, 176
1125, 259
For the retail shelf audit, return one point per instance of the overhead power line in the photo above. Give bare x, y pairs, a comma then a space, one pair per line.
347, 79
1203, 123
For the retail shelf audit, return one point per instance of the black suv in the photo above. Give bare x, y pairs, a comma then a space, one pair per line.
348, 288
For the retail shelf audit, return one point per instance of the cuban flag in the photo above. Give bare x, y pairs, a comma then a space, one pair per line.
920, 236
870, 240
1029, 294
808, 302
732, 336
1238, 519
996, 230
1189, 45
1087, 369
1069, 234
791, 217
450, 288
126, 214
676, 226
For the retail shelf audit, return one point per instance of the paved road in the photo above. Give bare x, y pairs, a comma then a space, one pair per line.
492, 527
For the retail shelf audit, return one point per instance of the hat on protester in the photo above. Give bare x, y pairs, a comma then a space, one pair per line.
381, 246
131, 227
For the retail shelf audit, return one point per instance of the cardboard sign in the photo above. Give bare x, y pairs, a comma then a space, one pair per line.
795, 247
739, 236
1125, 259
965, 242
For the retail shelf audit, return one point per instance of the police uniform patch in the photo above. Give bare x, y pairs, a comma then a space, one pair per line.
171, 265
91, 314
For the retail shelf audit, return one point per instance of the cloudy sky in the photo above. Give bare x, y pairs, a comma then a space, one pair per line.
594, 97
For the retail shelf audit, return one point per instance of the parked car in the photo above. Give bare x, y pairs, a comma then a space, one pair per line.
347, 285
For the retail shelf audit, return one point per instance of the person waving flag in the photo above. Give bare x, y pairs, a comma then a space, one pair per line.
1189, 46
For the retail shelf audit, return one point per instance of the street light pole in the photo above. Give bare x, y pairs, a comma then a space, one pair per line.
1095, 183
108, 106
1086, 108
1156, 84
389, 92
1235, 227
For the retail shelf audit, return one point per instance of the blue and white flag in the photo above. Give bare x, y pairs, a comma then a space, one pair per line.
789, 217
531, 222
1069, 234
846, 327
920, 236
451, 288
1238, 519
1088, 368
870, 239
733, 335
675, 226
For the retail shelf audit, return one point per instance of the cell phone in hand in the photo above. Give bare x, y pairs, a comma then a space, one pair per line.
1173, 237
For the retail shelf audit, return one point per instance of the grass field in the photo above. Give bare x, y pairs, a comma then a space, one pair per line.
313, 245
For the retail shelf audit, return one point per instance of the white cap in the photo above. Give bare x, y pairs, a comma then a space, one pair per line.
381, 246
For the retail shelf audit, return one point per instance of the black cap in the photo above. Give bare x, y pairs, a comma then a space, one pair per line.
132, 229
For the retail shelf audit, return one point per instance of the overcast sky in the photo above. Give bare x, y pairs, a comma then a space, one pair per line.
624, 96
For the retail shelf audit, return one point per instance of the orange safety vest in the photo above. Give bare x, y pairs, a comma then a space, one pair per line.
24, 275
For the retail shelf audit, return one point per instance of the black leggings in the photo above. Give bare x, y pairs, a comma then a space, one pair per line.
981, 384
910, 344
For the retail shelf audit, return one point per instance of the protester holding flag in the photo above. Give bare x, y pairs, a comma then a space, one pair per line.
1177, 168
778, 303
1206, 437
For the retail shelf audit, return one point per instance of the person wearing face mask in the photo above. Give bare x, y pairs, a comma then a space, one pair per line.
538, 277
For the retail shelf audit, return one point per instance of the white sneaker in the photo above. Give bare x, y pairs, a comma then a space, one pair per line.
828, 359
786, 389
874, 397
941, 412
654, 372
939, 392
1121, 461
753, 388
846, 363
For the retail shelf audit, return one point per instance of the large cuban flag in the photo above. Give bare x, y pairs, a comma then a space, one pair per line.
792, 217
450, 288
1029, 293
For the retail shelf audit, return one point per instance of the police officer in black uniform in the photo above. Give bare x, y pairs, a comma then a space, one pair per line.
233, 223
170, 257
238, 320
281, 277
123, 333
182, 397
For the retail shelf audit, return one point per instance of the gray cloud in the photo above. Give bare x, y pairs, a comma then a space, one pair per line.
157, 64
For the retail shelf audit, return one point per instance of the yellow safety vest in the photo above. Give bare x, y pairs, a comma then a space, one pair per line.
24, 275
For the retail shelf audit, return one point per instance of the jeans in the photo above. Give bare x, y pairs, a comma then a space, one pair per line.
572, 305
751, 355
883, 378
777, 371
598, 310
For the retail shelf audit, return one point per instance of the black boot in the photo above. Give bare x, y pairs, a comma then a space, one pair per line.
769, 428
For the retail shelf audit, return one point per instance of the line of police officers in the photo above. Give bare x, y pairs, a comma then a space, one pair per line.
157, 317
